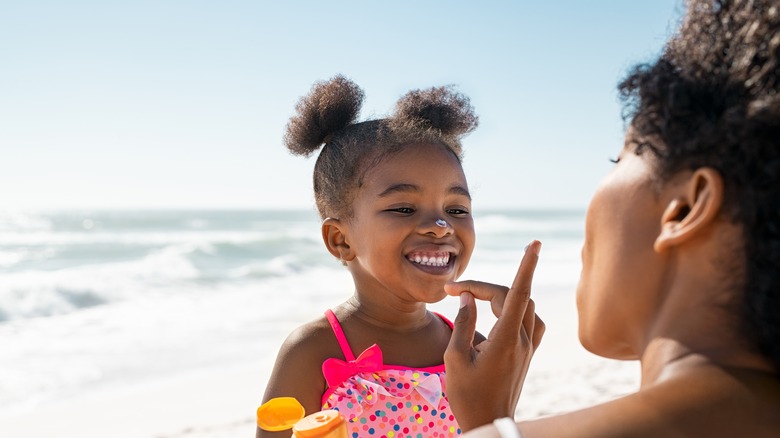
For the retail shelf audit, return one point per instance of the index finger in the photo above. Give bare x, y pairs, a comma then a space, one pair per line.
479, 289
519, 294
494, 293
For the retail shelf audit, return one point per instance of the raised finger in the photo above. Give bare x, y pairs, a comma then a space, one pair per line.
519, 295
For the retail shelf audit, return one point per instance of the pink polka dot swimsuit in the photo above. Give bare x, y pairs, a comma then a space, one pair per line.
386, 401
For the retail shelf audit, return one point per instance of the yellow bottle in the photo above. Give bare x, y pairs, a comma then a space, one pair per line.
283, 413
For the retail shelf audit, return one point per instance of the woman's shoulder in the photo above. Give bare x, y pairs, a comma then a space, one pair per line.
714, 402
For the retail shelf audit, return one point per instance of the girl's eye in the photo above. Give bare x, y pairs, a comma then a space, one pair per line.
614, 160
402, 210
457, 212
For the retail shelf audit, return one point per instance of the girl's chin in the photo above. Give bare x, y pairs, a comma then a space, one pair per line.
431, 299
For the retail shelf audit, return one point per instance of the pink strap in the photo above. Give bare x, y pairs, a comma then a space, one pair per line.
334, 324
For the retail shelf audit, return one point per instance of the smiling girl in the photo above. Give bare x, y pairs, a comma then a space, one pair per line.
396, 212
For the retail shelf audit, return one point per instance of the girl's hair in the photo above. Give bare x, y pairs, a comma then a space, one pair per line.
712, 99
328, 114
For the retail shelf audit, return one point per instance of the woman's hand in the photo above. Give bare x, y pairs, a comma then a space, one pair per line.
484, 381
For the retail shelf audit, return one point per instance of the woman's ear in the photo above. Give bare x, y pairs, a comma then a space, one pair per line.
334, 234
692, 210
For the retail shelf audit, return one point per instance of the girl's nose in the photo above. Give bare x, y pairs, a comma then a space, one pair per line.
437, 226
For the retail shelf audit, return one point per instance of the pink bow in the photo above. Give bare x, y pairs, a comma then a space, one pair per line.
336, 370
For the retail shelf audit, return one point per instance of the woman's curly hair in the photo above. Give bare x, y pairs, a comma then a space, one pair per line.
328, 116
712, 99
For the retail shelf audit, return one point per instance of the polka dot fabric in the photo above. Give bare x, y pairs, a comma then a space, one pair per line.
393, 402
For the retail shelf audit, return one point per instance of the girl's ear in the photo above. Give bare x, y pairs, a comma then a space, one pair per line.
334, 234
692, 210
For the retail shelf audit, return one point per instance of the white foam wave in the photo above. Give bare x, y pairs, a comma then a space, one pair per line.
497, 223
23, 221
157, 335
43, 293
149, 238
9, 259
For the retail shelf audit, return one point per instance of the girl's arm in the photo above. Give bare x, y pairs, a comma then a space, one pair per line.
298, 370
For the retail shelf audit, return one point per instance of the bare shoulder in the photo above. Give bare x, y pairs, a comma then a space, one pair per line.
310, 341
712, 403
720, 401
303, 351
297, 371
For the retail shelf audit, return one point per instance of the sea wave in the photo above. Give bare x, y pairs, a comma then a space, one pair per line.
173, 269
52, 264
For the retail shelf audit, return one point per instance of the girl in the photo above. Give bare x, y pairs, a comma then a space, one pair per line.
396, 212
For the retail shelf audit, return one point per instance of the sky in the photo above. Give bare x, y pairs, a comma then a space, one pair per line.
182, 104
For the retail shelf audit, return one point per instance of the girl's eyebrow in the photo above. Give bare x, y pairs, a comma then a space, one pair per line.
458, 190
402, 188
409, 188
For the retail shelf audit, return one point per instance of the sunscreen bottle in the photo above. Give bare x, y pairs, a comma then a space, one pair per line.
323, 424
284, 413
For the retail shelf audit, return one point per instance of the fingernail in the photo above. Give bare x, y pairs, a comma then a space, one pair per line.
464, 299
536, 248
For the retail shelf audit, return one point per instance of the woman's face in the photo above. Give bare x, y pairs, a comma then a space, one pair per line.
621, 274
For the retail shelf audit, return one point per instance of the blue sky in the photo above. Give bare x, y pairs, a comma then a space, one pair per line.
182, 104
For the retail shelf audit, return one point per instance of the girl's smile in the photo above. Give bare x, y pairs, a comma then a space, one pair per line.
435, 259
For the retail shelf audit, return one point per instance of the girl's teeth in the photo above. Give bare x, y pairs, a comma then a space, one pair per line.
431, 261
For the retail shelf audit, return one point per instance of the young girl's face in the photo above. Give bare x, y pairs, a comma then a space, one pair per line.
398, 246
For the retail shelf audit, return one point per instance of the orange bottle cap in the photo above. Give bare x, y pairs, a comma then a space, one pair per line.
318, 424
279, 413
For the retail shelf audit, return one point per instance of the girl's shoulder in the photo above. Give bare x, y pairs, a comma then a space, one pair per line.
312, 340
297, 371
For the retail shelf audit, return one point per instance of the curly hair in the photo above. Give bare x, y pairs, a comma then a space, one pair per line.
328, 114
712, 99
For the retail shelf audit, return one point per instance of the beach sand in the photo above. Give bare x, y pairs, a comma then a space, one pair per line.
221, 402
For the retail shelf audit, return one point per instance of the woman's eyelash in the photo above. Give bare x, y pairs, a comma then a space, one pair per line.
614, 160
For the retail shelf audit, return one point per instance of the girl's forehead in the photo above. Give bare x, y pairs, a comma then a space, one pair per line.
415, 152
416, 157
427, 168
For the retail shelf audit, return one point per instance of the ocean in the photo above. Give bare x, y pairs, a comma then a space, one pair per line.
94, 301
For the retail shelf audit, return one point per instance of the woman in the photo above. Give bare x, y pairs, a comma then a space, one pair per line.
681, 253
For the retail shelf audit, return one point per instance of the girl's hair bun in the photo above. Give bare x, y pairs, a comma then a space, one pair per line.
440, 108
329, 107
